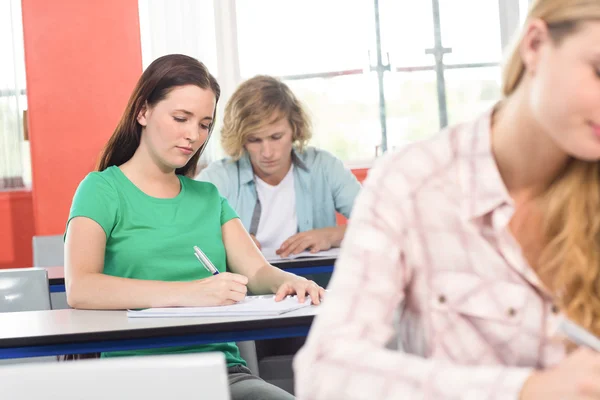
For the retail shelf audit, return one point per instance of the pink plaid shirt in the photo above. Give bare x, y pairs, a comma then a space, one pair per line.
429, 243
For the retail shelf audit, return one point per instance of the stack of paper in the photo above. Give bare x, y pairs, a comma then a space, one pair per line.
251, 306
271, 256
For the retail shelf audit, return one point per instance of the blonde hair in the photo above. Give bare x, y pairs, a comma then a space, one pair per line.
256, 103
570, 253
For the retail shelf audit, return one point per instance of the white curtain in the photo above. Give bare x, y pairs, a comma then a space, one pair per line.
14, 153
184, 27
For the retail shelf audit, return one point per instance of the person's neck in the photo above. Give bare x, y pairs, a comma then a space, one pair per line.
527, 157
149, 176
273, 179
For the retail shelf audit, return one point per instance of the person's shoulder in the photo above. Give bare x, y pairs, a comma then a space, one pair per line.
414, 165
427, 154
198, 185
312, 155
218, 171
201, 190
100, 180
226, 165
97, 189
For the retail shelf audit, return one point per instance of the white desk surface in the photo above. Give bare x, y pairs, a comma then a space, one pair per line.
39, 324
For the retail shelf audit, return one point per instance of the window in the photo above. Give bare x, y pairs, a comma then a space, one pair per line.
523, 8
14, 151
322, 53
183, 27
178, 26
374, 74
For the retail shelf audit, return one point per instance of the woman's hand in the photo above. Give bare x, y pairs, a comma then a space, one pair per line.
218, 290
574, 378
300, 287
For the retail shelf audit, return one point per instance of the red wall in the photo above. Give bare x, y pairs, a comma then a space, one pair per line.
82, 60
361, 175
16, 229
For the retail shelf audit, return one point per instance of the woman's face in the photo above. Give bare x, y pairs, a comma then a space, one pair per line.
564, 84
177, 126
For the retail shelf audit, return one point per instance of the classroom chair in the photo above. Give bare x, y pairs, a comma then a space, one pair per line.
248, 353
183, 377
48, 251
24, 290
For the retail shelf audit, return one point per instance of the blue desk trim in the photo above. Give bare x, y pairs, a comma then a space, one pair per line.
310, 270
57, 288
152, 343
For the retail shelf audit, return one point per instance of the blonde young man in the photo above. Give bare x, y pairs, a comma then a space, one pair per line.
285, 193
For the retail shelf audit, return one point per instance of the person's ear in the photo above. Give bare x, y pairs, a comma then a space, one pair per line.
142, 117
535, 39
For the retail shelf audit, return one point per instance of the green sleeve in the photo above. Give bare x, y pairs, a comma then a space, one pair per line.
97, 200
227, 213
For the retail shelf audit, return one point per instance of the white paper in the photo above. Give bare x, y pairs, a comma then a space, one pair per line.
250, 306
271, 256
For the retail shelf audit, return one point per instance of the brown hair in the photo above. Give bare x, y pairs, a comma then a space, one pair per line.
162, 76
570, 253
256, 103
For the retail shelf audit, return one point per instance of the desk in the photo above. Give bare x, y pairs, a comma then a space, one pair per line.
302, 266
307, 266
56, 332
56, 278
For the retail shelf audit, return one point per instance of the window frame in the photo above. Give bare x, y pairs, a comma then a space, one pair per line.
229, 67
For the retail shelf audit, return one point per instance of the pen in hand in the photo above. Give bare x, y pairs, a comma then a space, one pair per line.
579, 335
205, 261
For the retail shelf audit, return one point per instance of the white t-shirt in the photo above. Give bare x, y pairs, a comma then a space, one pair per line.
278, 220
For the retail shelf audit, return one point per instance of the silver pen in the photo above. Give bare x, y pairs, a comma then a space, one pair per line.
579, 335
205, 261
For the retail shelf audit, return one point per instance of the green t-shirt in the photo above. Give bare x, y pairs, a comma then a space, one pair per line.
151, 238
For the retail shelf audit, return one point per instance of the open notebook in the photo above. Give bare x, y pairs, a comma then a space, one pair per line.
250, 306
271, 256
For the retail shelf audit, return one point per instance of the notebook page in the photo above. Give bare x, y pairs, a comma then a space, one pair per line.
271, 256
250, 306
